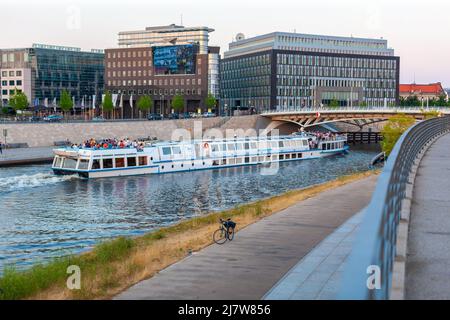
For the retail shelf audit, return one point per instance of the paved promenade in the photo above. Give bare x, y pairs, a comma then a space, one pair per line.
261, 254
428, 260
26, 155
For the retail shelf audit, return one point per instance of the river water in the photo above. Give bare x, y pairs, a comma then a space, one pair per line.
43, 216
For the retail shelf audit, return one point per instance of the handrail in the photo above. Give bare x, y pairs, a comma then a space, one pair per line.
356, 109
375, 244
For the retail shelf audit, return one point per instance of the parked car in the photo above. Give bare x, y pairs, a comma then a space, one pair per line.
98, 119
53, 118
209, 115
173, 116
186, 115
154, 116
35, 119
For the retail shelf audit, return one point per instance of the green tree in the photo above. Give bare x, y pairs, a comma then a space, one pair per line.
210, 101
65, 102
145, 103
18, 100
363, 104
178, 103
393, 130
334, 104
107, 105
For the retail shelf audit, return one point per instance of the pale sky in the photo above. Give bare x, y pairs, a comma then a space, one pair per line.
418, 30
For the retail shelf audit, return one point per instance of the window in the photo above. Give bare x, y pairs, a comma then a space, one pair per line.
11, 82
83, 165
142, 161
107, 163
18, 73
166, 151
70, 163
131, 161
95, 164
176, 150
120, 162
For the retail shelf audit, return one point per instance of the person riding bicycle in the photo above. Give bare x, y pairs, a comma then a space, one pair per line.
229, 225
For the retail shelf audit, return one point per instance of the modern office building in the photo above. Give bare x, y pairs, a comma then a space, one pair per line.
163, 62
298, 70
43, 71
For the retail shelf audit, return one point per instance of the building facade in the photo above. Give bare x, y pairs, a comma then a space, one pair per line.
163, 62
423, 92
295, 70
43, 71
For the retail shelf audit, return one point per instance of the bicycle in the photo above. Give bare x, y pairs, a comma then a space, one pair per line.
225, 232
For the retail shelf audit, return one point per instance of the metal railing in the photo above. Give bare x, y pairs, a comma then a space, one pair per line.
445, 110
375, 244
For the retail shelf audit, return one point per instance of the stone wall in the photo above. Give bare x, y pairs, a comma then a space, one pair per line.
45, 134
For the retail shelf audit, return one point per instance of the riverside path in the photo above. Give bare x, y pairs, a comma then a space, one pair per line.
261, 254
428, 259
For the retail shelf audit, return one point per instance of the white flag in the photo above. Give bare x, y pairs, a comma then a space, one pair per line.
73, 103
114, 99
103, 98
131, 101
46, 102
82, 102
121, 101
93, 101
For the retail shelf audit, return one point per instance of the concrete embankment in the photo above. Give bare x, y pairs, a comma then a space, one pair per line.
45, 134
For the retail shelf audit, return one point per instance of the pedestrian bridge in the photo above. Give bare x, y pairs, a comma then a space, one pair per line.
357, 116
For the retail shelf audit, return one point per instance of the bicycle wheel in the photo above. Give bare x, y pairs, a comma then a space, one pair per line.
230, 234
220, 236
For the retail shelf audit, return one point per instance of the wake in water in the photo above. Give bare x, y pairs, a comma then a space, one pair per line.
31, 181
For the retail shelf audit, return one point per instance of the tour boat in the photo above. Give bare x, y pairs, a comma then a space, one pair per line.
176, 156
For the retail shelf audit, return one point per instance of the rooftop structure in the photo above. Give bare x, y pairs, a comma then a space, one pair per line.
309, 43
166, 35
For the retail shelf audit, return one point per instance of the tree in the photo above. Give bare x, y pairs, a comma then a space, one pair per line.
363, 104
334, 103
393, 130
18, 100
145, 103
65, 102
178, 103
107, 105
210, 101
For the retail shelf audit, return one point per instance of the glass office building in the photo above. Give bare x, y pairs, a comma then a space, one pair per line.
52, 69
294, 70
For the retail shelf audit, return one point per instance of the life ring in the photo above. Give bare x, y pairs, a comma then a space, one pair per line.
205, 145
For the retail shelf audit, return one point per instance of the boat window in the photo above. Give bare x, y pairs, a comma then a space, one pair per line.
231, 147
95, 164
120, 162
263, 144
280, 144
247, 146
58, 162
281, 156
224, 147
215, 147
253, 145
238, 146
176, 150
215, 163
70, 163
142, 161
294, 156
247, 159
84, 164
273, 144
107, 163
131, 161
305, 143
166, 151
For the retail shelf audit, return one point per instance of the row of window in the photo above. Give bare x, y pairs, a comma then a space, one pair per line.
335, 72
310, 60
11, 83
150, 82
129, 64
11, 92
12, 73
128, 54
159, 92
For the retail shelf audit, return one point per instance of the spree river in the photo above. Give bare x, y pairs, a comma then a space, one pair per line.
43, 216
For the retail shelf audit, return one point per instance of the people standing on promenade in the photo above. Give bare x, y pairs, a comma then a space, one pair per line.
1, 148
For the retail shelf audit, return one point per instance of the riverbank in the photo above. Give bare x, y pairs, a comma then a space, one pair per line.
116, 265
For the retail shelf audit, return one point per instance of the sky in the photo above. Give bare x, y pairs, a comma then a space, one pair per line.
418, 30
